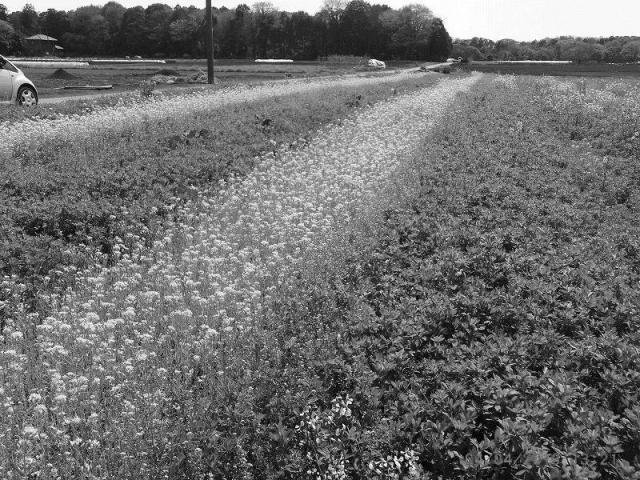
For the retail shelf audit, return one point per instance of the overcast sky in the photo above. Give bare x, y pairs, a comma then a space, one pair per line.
495, 19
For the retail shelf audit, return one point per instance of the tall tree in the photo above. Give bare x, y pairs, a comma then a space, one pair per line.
157, 20
223, 23
416, 21
89, 31
380, 38
263, 26
113, 14
507, 49
28, 21
356, 27
238, 41
186, 29
55, 23
7, 34
631, 51
439, 45
330, 17
132, 37
301, 37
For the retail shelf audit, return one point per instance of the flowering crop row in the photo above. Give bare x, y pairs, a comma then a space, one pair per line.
72, 128
97, 385
65, 200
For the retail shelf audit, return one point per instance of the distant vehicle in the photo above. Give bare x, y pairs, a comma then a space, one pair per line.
376, 63
15, 87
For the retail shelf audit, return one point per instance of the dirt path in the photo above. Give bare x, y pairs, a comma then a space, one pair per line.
59, 96
69, 98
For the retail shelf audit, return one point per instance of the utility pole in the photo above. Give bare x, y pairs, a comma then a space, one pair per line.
209, 43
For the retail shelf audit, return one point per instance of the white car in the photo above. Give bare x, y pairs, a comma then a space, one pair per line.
14, 86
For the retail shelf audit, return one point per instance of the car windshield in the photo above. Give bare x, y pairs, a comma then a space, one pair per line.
7, 65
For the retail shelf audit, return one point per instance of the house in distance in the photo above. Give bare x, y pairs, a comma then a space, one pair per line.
41, 44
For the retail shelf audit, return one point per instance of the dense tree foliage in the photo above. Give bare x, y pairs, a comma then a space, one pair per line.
354, 28
260, 30
610, 49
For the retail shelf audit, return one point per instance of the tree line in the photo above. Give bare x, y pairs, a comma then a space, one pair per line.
259, 31
576, 49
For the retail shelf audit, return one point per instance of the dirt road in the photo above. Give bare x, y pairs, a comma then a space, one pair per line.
86, 96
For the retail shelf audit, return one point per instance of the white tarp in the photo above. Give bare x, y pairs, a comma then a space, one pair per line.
50, 64
377, 63
273, 60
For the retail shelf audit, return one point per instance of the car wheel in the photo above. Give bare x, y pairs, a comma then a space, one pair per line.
27, 96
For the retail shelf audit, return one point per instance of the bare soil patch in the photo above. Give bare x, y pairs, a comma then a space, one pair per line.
62, 74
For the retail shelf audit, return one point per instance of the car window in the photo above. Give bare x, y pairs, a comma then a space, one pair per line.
8, 66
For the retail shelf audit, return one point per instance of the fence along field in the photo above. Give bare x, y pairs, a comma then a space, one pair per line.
479, 320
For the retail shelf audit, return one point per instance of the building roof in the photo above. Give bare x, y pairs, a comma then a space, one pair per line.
41, 36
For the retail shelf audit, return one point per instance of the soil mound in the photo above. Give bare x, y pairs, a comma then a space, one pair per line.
62, 74
200, 77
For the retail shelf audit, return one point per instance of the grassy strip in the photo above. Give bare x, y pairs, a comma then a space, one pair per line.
64, 200
493, 333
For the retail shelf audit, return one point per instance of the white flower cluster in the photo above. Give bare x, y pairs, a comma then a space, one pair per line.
591, 97
44, 64
401, 465
506, 81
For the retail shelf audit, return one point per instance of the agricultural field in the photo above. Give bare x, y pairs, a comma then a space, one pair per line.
614, 70
180, 73
402, 276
